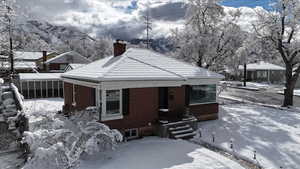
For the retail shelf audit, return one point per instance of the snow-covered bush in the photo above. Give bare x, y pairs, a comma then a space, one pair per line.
53, 157
101, 138
59, 140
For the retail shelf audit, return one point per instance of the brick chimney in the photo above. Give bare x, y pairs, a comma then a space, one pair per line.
44, 60
119, 47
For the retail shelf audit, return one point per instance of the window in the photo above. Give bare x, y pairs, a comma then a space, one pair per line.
131, 133
112, 102
202, 94
62, 66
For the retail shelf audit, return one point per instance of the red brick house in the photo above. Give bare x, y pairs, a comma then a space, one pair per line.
138, 88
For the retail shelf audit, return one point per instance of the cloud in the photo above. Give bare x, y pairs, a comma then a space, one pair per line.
120, 19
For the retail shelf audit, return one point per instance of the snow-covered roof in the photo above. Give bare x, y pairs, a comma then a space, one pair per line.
18, 65
39, 76
140, 64
69, 57
74, 65
262, 66
18, 55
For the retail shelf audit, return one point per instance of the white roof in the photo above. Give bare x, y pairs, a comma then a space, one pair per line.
261, 66
27, 55
76, 65
69, 57
39, 76
18, 65
140, 64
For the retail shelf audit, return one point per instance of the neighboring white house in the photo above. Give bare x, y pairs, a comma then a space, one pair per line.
263, 72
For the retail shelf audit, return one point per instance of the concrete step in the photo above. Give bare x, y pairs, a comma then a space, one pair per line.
179, 128
185, 136
189, 130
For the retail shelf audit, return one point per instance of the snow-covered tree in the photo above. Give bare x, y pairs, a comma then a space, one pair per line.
280, 32
210, 35
55, 145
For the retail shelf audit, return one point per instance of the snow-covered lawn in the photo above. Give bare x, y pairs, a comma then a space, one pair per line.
32, 106
158, 153
10, 160
273, 133
296, 92
253, 85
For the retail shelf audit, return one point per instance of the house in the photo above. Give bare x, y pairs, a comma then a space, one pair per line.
137, 88
25, 62
73, 66
60, 62
263, 72
40, 85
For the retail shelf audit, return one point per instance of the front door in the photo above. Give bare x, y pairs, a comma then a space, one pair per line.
163, 98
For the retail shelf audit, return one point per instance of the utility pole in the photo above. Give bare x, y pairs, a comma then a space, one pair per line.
11, 54
148, 24
245, 74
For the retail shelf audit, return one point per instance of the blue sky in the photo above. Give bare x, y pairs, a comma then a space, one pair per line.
249, 3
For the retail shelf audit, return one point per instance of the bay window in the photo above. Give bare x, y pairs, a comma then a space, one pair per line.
201, 94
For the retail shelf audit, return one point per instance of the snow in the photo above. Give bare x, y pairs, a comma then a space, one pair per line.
69, 57
42, 106
53, 137
11, 160
272, 133
253, 85
296, 92
18, 96
158, 153
140, 64
39, 76
261, 66
19, 65
27, 55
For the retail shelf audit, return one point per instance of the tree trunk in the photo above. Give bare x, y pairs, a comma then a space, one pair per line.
289, 90
199, 62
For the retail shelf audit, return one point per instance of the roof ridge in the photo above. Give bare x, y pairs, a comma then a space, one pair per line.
157, 67
122, 57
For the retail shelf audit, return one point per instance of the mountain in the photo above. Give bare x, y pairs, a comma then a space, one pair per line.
51, 34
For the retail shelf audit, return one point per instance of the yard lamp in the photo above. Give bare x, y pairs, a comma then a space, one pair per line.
213, 136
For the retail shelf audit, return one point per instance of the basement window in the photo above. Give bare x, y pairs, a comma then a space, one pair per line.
131, 133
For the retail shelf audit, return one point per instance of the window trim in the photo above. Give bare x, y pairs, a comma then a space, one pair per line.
195, 104
103, 114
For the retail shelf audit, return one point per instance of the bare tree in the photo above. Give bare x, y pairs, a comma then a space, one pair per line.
280, 31
7, 14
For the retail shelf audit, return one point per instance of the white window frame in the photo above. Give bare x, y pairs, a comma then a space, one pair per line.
104, 115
